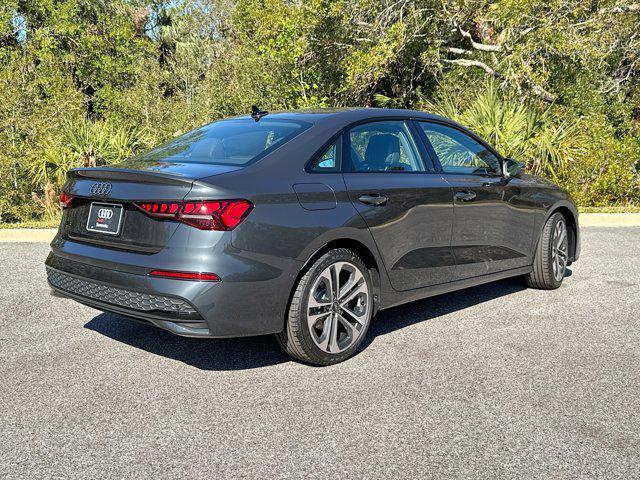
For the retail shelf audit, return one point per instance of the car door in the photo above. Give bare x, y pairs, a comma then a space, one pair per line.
407, 206
493, 224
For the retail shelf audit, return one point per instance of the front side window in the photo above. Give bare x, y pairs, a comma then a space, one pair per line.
459, 153
237, 141
385, 146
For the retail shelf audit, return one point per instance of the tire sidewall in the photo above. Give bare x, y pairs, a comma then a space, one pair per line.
554, 220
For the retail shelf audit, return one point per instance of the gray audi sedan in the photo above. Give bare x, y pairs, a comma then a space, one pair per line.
304, 224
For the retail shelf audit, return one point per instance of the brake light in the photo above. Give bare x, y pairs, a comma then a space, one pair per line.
234, 213
201, 277
66, 200
159, 209
205, 215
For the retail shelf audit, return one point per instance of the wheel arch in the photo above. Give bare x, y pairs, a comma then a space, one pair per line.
570, 214
366, 254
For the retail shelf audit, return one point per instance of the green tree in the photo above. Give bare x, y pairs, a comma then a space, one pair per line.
86, 82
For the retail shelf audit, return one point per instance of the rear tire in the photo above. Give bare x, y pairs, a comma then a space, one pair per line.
551, 256
330, 310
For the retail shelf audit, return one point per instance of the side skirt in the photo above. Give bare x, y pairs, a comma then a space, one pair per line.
399, 298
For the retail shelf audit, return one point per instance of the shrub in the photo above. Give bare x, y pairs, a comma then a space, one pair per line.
520, 130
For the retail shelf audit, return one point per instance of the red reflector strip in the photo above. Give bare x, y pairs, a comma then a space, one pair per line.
198, 276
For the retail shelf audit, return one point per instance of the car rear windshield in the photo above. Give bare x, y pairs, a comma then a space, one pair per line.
228, 142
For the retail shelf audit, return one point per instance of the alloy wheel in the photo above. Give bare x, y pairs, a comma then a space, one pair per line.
339, 307
559, 250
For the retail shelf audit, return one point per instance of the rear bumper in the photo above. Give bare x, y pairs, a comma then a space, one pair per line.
235, 307
169, 313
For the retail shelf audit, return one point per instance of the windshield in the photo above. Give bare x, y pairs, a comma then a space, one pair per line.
228, 142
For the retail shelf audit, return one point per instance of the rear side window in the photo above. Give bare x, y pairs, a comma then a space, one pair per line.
328, 161
384, 146
228, 142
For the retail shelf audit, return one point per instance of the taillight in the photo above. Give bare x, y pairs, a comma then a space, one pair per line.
201, 277
205, 215
235, 212
66, 200
159, 209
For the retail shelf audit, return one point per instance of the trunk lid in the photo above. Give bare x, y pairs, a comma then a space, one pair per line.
124, 185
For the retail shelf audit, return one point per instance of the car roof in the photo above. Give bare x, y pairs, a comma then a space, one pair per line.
338, 118
348, 115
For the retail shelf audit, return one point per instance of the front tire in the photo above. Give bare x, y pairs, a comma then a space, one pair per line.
552, 255
330, 310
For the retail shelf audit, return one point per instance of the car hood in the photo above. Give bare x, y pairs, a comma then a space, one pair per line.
534, 179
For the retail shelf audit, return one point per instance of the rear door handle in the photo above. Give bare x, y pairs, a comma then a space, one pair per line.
373, 199
465, 196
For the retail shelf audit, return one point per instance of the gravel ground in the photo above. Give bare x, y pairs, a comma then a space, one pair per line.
492, 382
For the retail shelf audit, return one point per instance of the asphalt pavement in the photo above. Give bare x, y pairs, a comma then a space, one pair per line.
496, 381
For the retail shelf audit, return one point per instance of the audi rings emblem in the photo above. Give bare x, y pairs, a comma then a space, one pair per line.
105, 213
100, 189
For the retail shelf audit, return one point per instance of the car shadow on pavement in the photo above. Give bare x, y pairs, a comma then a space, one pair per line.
202, 353
428, 309
255, 352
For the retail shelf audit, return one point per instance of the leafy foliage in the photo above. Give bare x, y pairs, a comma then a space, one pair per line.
83, 82
517, 129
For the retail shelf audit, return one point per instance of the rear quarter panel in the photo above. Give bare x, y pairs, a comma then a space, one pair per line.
290, 222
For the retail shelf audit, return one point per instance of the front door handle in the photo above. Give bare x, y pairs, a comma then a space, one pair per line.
373, 199
465, 196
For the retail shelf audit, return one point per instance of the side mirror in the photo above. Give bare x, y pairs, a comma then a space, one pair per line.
512, 168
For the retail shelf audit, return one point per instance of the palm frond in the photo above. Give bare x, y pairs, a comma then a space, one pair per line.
516, 129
